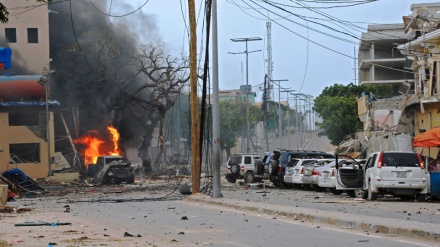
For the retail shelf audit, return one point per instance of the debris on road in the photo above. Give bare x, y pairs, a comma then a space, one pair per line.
43, 223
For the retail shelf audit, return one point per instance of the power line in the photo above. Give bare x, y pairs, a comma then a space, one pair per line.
299, 35
100, 11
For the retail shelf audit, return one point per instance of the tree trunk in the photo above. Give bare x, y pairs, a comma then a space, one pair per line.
143, 153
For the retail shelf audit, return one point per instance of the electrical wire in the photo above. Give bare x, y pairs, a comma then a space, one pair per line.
73, 26
301, 36
123, 15
307, 63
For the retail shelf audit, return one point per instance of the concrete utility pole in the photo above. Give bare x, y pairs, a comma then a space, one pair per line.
46, 84
297, 124
279, 107
288, 108
216, 193
248, 149
195, 130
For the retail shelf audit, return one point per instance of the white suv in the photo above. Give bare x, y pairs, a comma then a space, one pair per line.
397, 173
245, 166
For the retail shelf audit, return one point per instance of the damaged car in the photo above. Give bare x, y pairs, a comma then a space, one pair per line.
113, 170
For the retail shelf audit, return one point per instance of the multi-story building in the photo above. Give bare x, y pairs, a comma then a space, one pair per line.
238, 95
27, 34
26, 114
392, 123
424, 54
379, 59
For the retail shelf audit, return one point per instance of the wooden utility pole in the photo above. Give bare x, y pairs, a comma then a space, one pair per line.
195, 130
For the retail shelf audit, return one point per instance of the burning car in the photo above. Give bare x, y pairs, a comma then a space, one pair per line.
113, 169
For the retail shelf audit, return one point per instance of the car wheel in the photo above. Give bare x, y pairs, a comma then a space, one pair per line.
359, 194
130, 179
406, 197
231, 179
276, 184
260, 168
372, 196
235, 169
317, 188
350, 193
335, 191
421, 197
273, 168
249, 177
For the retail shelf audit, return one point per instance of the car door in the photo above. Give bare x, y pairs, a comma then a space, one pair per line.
349, 176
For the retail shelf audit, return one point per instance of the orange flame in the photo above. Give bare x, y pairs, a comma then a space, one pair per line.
115, 139
94, 144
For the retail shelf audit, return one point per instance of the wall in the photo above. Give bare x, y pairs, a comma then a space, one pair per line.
24, 134
32, 57
429, 119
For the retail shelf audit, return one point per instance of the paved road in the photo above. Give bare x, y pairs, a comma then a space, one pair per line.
186, 223
393, 208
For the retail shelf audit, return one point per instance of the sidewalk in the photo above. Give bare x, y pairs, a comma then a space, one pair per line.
371, 224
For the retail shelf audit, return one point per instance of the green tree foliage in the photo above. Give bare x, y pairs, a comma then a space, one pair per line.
4, 11
233, 121
337, 106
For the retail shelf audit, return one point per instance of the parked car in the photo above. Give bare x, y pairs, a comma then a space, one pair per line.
294, 172
311, 173
327, 175
277, 169
400, 174
249, 167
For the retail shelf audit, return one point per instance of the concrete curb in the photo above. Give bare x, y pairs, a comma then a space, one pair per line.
373, 224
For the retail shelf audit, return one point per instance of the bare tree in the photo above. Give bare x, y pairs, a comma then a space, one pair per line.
110, 82
160, 80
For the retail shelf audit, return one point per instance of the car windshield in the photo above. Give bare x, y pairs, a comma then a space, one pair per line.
400, 160
234, 159
293, 163
108, 160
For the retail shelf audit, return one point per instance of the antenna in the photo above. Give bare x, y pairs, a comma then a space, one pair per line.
269, 59
355, 65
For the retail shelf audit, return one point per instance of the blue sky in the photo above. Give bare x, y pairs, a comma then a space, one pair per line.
307, 66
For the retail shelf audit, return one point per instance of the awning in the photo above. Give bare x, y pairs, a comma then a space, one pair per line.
428, 139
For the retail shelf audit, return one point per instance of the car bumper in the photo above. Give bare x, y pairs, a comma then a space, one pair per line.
297, 178
329, 182
310, 179
399, 185
288, 179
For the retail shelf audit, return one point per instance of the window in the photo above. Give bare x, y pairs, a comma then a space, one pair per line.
32, 35
27, 119
24, 153
248, 160
11, 35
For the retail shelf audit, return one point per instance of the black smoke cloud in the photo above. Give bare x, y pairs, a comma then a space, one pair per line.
70, 22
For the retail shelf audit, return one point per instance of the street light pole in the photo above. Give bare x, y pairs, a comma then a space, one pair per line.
247, 83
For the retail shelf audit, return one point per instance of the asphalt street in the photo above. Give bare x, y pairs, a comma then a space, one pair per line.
136, 220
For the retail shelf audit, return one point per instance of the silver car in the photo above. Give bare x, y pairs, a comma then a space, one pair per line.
311, 173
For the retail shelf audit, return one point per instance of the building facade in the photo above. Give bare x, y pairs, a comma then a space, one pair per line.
27, 34
392, 123
26, 112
